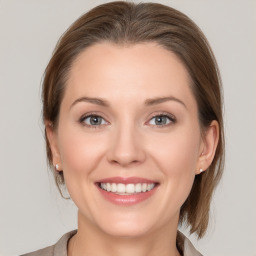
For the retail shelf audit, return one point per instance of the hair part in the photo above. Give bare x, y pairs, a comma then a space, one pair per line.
126, 23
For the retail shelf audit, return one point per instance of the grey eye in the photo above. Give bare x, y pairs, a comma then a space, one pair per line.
94, 120
160, 120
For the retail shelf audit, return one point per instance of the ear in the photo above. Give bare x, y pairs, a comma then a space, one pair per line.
52, 139
208, 148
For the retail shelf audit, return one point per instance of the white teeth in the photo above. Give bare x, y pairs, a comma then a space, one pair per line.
144, 187
120, 188
150, 186
114, 187
138, 188
130, 188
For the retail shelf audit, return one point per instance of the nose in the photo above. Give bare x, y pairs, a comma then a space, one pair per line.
126, 147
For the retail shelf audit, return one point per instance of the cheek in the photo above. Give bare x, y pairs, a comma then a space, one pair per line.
80, 152
176, 155
177, 151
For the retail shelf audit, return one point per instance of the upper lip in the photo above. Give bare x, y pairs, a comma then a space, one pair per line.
126, 180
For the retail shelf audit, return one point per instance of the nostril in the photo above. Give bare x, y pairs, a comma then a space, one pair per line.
124, 163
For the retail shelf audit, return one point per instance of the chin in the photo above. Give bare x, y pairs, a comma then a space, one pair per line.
125, 231
129, 227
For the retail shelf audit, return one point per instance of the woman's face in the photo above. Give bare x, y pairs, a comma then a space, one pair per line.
128, 123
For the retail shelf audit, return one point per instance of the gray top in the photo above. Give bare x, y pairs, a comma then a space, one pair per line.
60, 248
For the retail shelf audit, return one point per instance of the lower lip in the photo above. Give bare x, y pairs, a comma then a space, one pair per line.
127, 200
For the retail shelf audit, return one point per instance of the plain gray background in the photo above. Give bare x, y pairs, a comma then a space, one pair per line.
32, 214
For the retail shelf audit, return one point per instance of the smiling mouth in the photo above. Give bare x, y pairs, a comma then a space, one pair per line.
127, 189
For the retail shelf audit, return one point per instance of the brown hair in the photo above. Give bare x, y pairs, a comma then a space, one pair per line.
129, 23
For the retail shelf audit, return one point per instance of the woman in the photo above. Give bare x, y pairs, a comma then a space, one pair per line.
133, 119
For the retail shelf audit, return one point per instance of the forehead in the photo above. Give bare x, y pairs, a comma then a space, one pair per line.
125, 71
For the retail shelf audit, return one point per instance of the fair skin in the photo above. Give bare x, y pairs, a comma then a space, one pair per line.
124, 138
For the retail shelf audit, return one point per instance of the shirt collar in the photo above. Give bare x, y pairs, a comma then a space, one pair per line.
185, 247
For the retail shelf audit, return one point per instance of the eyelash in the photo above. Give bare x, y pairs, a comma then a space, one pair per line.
92, 114
171, 118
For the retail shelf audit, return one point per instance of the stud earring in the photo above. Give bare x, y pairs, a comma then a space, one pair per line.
201, 170
56, 167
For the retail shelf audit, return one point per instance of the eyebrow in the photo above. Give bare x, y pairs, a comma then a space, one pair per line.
96, 101
158, 100
148, 102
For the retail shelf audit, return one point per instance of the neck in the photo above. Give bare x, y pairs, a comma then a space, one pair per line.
92, 241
